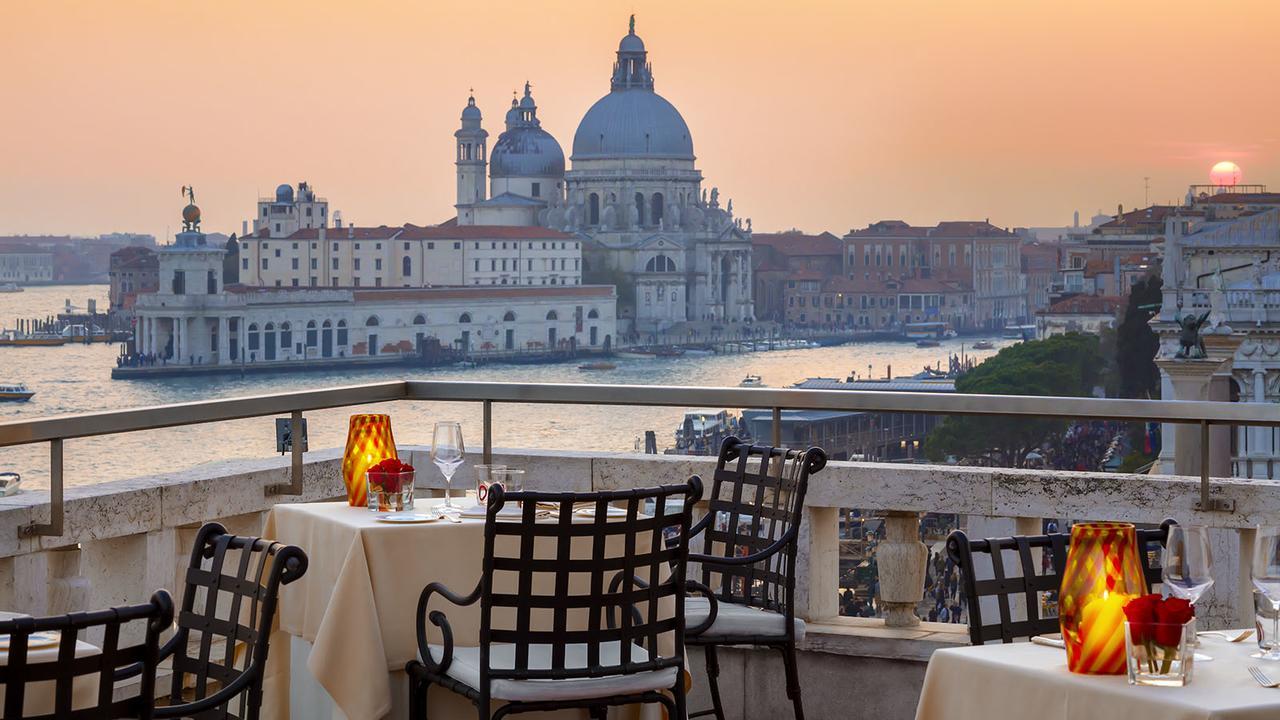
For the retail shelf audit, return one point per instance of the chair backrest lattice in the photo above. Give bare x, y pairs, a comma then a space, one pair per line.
1020, 592
224, 625
22, 669
756, 498
573, 596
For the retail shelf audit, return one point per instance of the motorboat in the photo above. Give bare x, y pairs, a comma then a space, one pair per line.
10, 288
751, 381
15, 393
983, 345
14, 338
927, 343
600, 365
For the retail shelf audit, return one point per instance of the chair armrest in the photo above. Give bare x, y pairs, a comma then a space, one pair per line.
751, 559
438, 619
223, 696
135, 669
714, 607
614, 584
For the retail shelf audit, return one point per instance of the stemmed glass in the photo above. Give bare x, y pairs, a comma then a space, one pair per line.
1266, 577
1186, 565
446, 452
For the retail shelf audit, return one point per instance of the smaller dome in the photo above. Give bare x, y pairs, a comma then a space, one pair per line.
284, 194
631, 43
191, 213
471, 112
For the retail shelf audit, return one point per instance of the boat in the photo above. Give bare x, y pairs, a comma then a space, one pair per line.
983, 345
635, 354
10, 288
703, 430
15, 393
927, 343
927, 331
1020, 332
84, 334
466, 364
751, 381
600, 365
13, 338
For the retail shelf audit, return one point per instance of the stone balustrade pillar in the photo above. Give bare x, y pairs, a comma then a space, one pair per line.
818, 564
900, 563
68, 588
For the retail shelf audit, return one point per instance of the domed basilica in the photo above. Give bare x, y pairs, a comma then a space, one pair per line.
633, 193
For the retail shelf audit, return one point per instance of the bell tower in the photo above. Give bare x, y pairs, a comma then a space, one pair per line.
472, 154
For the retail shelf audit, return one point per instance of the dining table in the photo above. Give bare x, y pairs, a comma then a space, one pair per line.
1026, 680
43, 648
346, 629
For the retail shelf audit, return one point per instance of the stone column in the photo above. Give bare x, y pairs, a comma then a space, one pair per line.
224, 342
900, 564
1191, 380
180, 339
818, 564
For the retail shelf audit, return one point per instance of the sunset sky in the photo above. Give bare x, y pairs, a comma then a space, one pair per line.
817, 115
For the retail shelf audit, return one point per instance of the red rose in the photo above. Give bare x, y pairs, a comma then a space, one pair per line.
1171, 615
1141, 614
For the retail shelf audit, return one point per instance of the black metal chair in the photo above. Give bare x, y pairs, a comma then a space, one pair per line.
1031, 582
749, 547
232, 587
572, 614
19, 672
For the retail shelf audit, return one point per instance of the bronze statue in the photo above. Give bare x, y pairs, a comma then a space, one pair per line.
1192, 345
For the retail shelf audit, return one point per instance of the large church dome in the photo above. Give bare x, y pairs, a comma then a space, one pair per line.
632, 120
525, 149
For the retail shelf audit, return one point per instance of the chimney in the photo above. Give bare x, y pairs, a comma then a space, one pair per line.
351, 230
244, 228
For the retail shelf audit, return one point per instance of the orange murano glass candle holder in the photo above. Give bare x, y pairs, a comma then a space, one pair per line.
1103, 573
369, 442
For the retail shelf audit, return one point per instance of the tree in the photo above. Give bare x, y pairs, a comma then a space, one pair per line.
1137, 344
1063, 365
231, 262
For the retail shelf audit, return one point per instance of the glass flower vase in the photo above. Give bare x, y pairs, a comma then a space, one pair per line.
1160, 654
1103, 573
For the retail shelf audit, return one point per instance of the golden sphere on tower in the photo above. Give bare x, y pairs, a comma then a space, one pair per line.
191, 213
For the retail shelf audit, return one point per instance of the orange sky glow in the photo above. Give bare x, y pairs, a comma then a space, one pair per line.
817, 115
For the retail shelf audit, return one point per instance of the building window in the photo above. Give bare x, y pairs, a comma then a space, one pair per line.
355, 282
432, 246
311, 333
335, 263
277, 253
295, 282
244, 264
264, 263
406, 265
477, 265
295, 246
314, 263
357, 246
294, 263
355, 264
457, 246
377, 263
377, 246
537, 190
377, 282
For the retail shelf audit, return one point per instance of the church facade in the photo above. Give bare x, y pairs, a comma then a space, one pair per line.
633, 194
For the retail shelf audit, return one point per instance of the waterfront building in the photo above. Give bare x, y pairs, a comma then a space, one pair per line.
194, 320
1079, 313
25, 264
778, 257
1040, 263
134, 270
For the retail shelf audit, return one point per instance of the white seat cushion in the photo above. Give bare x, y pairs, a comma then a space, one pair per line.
737, 620
465, 668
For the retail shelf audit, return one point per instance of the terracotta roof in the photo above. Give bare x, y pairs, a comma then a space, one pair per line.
944, 229
890, 228
1086, 305
968, 228
794, 242
1243, 199
381, 232
483, 232
932, 285
1149, 218
1093, 268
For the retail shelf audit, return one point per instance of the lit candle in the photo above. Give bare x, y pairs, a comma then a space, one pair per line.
1101, 648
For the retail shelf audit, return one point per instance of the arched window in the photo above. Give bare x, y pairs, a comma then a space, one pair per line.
419, 319
640, 209
254, 338
592, 314
551, 315
286, 335
660, 263
464, 318
593, 209
342, 331
509, 317
270, 327
311, 333
406, 266
655, 208
372, 321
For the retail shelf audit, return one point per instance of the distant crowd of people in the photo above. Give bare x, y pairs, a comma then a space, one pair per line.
942, 587
1084, 445
139, 360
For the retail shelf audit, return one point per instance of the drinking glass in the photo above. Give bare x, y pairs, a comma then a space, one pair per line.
447, 451
1186, 565
1265, 573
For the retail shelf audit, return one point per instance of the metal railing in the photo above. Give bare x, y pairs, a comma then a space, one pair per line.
56, 430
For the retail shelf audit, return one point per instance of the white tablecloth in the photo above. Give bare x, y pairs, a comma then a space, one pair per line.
1022, 680
356, 605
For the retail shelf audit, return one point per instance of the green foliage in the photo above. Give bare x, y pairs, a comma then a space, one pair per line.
621, 281
1137, 344
1064, 365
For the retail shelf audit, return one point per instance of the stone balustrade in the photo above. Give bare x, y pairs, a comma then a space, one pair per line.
125, 538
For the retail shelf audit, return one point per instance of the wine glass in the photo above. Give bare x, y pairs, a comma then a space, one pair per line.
1186, 565
446, 452
1266, 577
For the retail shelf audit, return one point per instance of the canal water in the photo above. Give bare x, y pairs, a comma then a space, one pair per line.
77, 379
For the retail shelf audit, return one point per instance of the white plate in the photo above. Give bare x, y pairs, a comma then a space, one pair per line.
611, 511
35, 640
405, 518
507, 511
